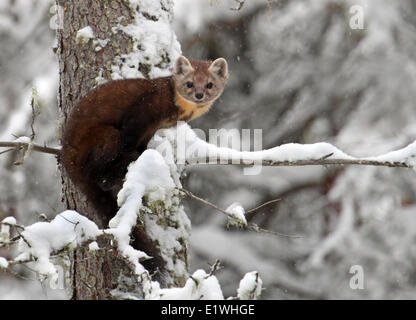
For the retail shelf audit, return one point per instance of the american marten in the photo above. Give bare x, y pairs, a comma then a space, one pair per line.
111, 126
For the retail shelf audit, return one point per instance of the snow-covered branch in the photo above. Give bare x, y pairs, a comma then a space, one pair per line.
310, 162
192, 150
26, 145
291, 154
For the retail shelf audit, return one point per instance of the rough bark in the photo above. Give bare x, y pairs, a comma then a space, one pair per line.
82, 64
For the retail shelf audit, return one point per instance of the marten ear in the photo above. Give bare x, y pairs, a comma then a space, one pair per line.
182, 66
220, 68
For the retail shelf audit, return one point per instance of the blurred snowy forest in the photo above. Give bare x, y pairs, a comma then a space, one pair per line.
299, 73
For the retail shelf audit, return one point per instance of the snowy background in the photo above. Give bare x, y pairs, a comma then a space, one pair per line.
299, 73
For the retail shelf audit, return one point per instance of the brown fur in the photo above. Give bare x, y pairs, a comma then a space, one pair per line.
111, 126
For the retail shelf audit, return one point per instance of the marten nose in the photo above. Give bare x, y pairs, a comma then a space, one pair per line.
199, 95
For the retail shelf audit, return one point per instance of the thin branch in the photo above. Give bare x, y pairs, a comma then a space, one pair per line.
215, 268
74, 223
15, 262
23, 238
250, 226
35, 112
251, 211
24, 145
7, 150
191, 195
324, 161
316, 162
17, 226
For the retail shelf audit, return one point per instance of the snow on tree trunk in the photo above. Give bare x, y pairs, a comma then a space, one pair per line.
101, 41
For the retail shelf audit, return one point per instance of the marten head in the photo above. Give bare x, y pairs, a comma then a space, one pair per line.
199, 82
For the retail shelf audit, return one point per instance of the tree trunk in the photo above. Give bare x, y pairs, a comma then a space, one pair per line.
85, 62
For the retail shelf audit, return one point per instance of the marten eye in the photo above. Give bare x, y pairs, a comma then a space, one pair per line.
189, 84
209, 85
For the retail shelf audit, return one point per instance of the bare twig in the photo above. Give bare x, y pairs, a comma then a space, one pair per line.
15, 262
17, 226
250, 226
35, 112
327, 156
23, 238
191, 195
7, 150
215, 268
251, 211
24, 145
74, 223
